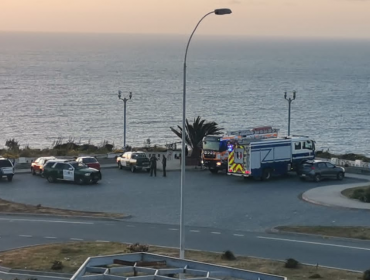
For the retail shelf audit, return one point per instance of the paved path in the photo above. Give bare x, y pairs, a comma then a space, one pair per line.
332, 195
342, 253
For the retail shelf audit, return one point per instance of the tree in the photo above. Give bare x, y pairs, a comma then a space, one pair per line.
195, 133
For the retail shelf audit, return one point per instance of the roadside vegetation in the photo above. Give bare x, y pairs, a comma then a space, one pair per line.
350, 156
20, 208
69, 147
68, 257
357, 232
359, 193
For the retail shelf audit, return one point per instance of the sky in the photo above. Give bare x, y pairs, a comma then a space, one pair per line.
266, 18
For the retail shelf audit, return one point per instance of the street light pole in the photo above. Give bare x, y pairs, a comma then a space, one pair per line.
290, 99
124, 115
182, 229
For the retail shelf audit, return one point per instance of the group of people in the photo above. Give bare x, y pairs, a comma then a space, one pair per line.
153, 165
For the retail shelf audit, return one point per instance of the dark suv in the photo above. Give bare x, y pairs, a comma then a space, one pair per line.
134, 161
318, 170
6, 169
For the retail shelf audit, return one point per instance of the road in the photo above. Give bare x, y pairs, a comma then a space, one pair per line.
347, 254
221, 213
215, 201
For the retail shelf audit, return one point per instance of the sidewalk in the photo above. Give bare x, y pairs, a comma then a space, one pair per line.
331, 195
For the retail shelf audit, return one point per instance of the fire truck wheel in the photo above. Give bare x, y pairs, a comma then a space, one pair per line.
266, 174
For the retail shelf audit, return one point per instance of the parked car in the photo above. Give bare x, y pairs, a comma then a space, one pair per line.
6, 169
89, 161
67, 170
37, 166
317, 170
133, 161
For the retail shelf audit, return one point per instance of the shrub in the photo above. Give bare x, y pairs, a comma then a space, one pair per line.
362, 195
315, 276
57, 265
291, 263
366, 275
228, 255
137, 247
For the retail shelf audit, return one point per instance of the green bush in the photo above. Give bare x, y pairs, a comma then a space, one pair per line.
291, 263
366, 275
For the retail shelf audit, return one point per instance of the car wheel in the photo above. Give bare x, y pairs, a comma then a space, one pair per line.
80, 181
10, 178
302, 178
50, 179
33, 171
317, 178
119, 165
133, 169
266, 175
340, 176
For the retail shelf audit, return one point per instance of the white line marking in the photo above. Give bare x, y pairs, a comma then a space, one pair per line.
172, 229
215, 232
314, 243
194, 230
240, 235
102, 241
50, 237
47, 221
25, 235
76, 239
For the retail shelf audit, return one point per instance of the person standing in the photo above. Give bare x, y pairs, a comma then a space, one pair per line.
153, 165
164, 164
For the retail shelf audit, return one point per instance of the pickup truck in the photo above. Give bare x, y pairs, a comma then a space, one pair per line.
133, 161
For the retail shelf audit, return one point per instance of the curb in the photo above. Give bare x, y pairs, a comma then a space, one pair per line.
20, 214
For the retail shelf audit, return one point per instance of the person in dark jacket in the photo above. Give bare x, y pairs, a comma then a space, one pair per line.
153, 165
164, 164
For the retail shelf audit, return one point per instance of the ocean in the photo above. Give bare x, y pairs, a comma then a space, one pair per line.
65, 86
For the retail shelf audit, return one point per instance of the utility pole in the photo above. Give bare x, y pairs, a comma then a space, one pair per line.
289, 99
124, 113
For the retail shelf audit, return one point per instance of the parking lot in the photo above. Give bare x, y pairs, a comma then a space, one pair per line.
210, 200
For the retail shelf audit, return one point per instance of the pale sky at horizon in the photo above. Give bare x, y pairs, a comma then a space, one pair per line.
286, 18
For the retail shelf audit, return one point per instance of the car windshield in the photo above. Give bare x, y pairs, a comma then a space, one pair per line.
5, 163
79, 165
211, 145
89, 160
138, 156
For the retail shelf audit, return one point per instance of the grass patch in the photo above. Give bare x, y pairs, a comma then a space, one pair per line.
14, 207
73, 254
359, 193
347, 232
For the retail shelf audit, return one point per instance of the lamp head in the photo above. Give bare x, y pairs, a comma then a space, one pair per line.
285, 95
223, 11
294, 92
119, 94
130, 95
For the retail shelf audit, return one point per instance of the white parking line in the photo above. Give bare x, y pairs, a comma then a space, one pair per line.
25, 235
76, 239
194, 230
314, 243
50, 237
46, 221
173, 229
240, 235
215, 232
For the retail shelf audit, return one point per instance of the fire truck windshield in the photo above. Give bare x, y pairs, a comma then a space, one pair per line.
211, 145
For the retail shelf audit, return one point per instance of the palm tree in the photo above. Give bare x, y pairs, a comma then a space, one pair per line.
195, 133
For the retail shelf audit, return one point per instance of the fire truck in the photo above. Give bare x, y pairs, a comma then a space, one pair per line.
215, 151
263, 158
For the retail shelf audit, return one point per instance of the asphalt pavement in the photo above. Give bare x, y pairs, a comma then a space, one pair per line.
341, 253
214, 201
